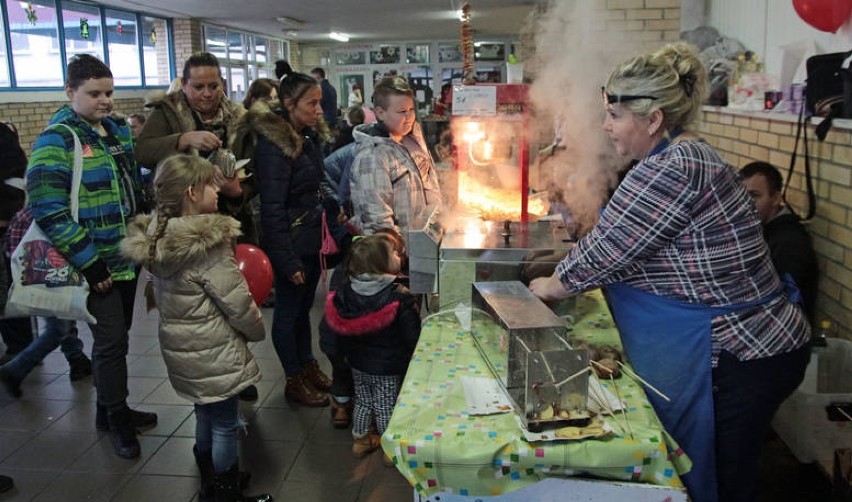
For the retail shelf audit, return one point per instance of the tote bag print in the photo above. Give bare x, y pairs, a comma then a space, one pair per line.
43, 282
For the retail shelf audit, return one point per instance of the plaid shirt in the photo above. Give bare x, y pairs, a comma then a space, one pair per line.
18, 226
682, 226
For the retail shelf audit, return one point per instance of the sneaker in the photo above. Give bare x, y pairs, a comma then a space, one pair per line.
248, 394
10, 383
80, 368
139, 419
363, 446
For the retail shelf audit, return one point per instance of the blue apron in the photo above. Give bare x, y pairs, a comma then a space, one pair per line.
668, 343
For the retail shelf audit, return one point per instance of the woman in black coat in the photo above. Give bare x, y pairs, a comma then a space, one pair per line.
289, 168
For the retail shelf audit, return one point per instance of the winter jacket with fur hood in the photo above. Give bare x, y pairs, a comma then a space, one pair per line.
377, 333
388, 189
289, 173
206, 311
172, 116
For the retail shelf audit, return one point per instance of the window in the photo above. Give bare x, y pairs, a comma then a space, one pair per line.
5, 78
243, 57
35, 38
43, 40
123, 45
216, 42
155, 51
81, 26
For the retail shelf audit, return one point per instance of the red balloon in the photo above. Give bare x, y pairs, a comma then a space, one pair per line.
824, 15
256, 268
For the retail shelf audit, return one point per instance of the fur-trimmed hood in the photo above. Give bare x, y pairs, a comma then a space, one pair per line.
187, 239
262, 120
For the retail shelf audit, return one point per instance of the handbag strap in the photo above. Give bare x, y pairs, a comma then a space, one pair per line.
801, 132
77, 174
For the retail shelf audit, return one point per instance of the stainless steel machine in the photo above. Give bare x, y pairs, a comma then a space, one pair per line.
449, 257
526, 348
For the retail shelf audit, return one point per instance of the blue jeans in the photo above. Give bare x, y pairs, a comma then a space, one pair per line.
216, 431
52, 333
291, 323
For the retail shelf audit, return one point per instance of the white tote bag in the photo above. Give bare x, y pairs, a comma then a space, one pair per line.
43, 282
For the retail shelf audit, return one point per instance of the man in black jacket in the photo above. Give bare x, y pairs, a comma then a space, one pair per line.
789, 243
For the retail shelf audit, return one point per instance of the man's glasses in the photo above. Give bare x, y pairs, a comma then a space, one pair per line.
609, 99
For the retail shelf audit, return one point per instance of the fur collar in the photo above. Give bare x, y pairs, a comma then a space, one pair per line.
187, 239
262, 120
177, 103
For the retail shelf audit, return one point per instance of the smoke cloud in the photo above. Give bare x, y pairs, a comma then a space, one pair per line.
575, 52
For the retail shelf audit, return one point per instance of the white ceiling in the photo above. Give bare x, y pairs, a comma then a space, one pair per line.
364, 20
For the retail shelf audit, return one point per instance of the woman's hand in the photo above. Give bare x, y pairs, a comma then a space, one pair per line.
298, 278
341, 217
200, 140
549, 288
231, 187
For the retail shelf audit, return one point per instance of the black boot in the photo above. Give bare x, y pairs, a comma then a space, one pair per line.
122, 433
228, 489
204, 461
139, 419
205, 468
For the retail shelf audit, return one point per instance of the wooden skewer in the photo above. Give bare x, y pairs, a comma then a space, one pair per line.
623, 410
642, 380
575, 375
843, 412
601, 366
602, 402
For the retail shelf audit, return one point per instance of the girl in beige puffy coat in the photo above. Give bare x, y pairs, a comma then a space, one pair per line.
206, 312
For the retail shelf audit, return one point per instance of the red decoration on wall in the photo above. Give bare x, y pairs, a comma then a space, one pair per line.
824, 15
119, 28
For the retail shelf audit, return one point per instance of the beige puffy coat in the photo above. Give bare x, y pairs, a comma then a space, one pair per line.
206, 311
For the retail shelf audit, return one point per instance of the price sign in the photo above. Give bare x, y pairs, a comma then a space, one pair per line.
474, 100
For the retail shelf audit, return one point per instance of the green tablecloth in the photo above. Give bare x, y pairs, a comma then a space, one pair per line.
439, 447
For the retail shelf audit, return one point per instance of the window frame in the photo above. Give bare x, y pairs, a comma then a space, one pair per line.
59, 5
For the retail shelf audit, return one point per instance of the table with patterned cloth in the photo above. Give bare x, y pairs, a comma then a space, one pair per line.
439, 447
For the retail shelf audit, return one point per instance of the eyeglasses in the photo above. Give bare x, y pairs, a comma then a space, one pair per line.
609, 99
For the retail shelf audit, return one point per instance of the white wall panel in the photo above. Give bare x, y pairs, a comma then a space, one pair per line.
763, 26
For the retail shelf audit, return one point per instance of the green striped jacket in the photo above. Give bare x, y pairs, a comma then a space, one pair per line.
103, 214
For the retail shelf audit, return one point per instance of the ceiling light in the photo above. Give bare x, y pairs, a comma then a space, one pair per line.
290, 20
340, 37
460, 15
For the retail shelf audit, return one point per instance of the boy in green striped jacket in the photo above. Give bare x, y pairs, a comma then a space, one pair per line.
110, 195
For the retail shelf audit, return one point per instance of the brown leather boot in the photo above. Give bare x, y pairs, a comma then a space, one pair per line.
341, 414
300, 391
363, 446
315, 376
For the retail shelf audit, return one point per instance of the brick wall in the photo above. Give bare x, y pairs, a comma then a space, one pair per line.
31, 118
743, 138
188, 39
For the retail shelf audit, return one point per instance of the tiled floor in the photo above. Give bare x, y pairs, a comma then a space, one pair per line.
49, 445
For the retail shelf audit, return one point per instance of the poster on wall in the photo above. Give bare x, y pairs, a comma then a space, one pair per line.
351, 57
378, 75
449, 53
386, 54
417, 54
352, 89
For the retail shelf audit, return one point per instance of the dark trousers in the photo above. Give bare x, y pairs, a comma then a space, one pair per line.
17, 332
746, 394
114, 313
341, 376
291, 323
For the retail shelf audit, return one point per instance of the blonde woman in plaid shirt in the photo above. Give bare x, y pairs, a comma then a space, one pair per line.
702, 314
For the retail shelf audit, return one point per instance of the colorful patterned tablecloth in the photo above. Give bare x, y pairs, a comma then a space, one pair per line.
439, 447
